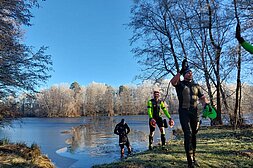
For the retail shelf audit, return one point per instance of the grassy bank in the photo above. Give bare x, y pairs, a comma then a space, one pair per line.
217, 147
21, 156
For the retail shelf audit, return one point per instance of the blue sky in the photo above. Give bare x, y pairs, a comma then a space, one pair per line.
87, 39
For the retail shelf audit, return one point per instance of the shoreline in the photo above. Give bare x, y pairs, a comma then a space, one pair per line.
216, 147
19, 155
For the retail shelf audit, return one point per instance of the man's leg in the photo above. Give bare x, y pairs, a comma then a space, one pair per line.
151, 135
160, 124
121, 150
185, 124
128, 147
194, 125
163, 139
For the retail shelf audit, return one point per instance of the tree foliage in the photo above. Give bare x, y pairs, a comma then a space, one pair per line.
98, 99
21, 68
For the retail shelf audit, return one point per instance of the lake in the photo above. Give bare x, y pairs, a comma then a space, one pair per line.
82, 142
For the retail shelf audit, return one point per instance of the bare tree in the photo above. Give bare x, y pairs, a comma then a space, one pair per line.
58, 101
245, 14
108, 101
197, 30
21, 67
94, 98
126, 100
78, 97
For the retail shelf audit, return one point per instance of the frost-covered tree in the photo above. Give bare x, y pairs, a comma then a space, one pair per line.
22, 68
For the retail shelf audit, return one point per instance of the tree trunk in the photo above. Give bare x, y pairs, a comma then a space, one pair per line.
238, 97
218, 120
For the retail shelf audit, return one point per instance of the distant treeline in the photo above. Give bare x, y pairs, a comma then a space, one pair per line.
103, 100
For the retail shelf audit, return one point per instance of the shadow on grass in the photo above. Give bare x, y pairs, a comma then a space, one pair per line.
218, 133
156, 158
216, 148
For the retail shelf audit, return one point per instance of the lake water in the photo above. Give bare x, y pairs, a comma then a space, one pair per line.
90, 142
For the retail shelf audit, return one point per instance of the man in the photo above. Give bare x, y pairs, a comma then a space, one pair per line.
188, 93
247, 46
122, 129
154, 107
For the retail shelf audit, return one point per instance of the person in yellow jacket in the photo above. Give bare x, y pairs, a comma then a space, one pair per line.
155, 106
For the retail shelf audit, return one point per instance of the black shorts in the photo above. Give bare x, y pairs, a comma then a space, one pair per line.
159, 123
123, 140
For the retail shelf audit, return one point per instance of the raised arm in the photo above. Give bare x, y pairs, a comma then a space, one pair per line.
176, 79
247, 46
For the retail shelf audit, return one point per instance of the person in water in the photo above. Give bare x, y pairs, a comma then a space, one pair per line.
154, 106
122, 129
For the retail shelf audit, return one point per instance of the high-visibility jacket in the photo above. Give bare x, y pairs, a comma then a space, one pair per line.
154, 109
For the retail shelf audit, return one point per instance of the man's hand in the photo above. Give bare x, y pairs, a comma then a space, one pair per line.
153, 122
171, 123
184, 66
238, 33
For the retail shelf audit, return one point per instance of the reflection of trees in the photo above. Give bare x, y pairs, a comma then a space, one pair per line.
98, 130
98, 133
138, 135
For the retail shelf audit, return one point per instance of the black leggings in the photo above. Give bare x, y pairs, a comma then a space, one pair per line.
188, 120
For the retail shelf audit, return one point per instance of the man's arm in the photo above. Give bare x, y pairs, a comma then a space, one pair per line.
116, 130
128, 129
247, 46
176, 79
149, 106
165, 110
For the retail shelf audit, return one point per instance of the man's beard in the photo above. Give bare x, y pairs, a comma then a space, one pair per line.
188, 79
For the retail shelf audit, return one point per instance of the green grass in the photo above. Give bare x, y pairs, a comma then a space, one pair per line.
217, 147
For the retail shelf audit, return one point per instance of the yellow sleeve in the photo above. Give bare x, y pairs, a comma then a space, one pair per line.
165, 110
149, 106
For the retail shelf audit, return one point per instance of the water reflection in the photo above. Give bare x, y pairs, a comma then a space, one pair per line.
94, 142
96, 135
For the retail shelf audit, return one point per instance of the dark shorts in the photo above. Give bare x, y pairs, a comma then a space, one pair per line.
159, 123
123, 140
